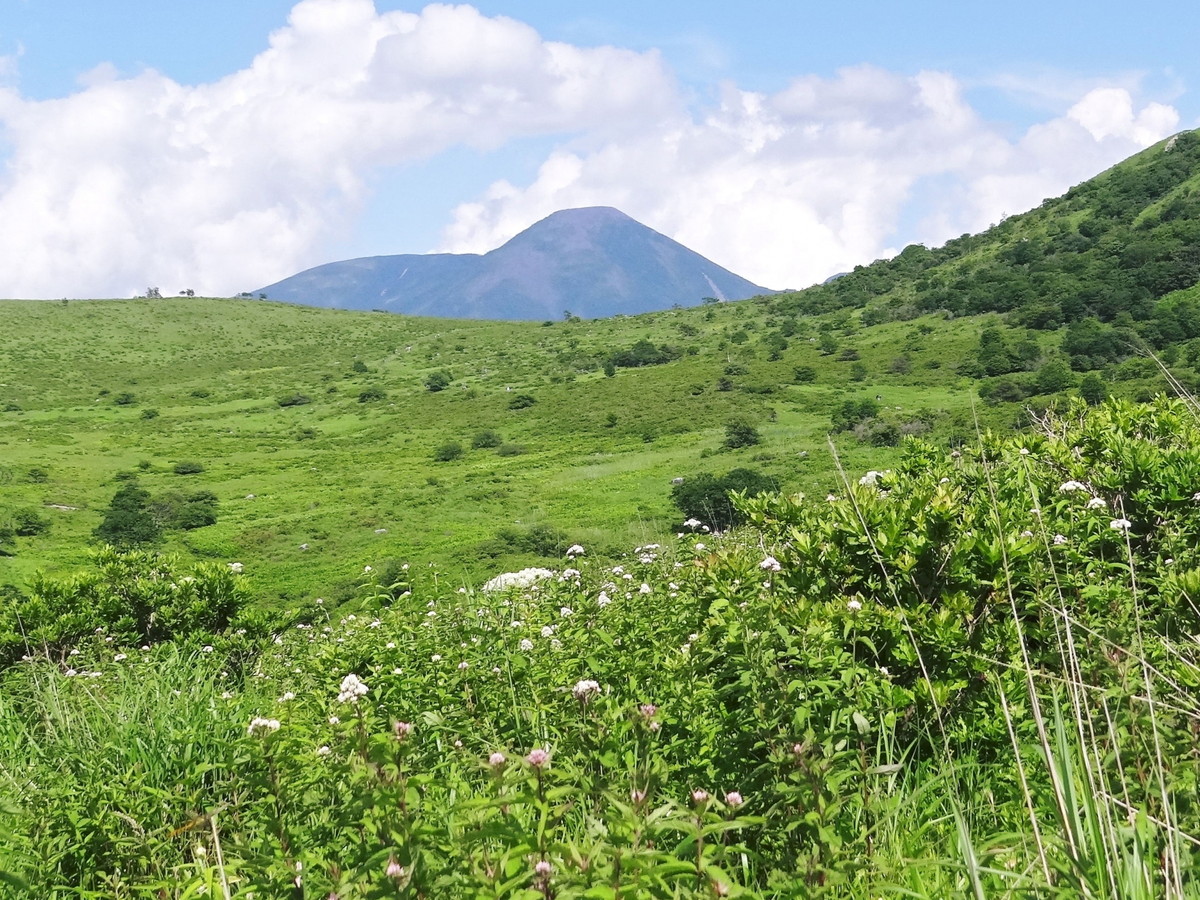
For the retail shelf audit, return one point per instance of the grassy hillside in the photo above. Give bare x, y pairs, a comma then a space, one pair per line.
269, 399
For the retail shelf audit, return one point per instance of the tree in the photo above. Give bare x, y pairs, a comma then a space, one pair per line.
129, 520
448, 452
1093, 389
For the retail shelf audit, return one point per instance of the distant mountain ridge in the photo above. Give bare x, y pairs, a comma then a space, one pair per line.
594, 262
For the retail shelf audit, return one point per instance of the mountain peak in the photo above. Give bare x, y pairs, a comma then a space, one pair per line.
594, 260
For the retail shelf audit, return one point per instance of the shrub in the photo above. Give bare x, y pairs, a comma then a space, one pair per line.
449, 451
486, 439
37, 475
201, 393
188, 467
27, 523
371, 394
128, 521
709, 498
522, 401
149, 413
438, 381
358, 367
296, 399
740, 433
804, 375
125, 398
510, 450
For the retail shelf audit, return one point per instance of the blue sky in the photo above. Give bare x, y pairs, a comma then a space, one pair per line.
224, 145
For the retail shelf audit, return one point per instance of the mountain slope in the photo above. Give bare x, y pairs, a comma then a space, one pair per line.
595, 262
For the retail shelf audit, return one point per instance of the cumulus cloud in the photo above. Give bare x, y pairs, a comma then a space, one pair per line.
789, 188
225, 186
232, 184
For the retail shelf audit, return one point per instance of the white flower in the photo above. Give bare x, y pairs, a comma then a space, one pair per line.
871, 477
603, 600
1096, 503
1068, 486
830, 498
516, 623
770, 564
286, 697
521, 579
351, 689
119, 657
390, 645
1024, 451
236, 567
566, 611
323, 751
526, 645
645, 588
1026, 534
367, 569
463, 666
700, 546
547, 631
260, 727
692, 523
853, 605
1196, 497
1059, 540
207, 648
574, 550
585, 690
437, 657
334, 720
1120, 524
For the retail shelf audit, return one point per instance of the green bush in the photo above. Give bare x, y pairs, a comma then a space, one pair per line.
372, 394
438, 381
447, 452
740, 433
188, 467
125, 398
522, 401
296, 399
486, 439
710, 498
510, 450
149, 413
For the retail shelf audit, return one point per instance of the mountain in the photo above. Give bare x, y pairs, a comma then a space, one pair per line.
595, 262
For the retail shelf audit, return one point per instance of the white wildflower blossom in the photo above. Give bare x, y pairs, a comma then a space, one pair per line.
603, 600
566, 611
692, 523
236, 568
1097, 503
522, 579
260, 727
645, 588
575, 550
1059, 540
352, 688
526, 645
871, 478
1120, 525
547, 631
770, 564
853, 605
1068, 487
585, 690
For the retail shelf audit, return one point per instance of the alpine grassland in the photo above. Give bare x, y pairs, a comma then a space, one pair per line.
884, 588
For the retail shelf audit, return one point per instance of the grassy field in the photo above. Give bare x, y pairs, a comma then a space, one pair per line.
308, 491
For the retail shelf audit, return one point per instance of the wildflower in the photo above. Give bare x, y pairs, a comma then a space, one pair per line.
645, 588
521, 579
574, 550
603, 600
437, 657
1068, 487
638, 797
853, 605
733, 799
334, 720
870, 478
119, 657
526, 645
402, 730
236, 568
1120, 525
394, 869
286, 697
555, 644
351, 689
566, 611
538, 757
700, 546
1024, 451
323, 750
692, 523
547, 631
1096, 503
1026, 534
542, 869
1059, 540
1196, 497
70, 673
647, 710
830, 498
260, 727
585, 690
367, 570
699, 796
497, 760
770, 564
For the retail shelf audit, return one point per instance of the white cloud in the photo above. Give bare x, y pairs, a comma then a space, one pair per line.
134, 181
791, 187
229, 185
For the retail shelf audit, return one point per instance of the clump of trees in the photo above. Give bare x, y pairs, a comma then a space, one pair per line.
710, 498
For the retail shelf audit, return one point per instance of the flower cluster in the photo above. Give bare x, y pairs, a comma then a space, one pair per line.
351, 689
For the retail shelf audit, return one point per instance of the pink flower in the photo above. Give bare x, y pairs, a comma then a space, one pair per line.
497, 760
542, 868
638, 797
537, 757
394, 869
402, 730
699, 796
733, 799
